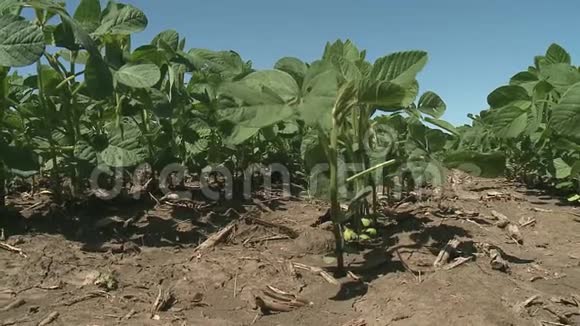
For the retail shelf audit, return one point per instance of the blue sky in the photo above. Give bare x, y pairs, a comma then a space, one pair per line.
474, 46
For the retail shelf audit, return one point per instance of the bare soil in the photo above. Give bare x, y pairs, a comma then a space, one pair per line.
139, 266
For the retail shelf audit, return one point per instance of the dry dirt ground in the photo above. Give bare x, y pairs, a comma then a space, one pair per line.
131, 269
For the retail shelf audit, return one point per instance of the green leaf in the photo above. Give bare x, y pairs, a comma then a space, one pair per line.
88, 15
240, 134
294, 67
384, 94
339, 49
98, 77
319, 91
122, 20
443, 125
560, 74
85, 152
563, 170
574, 198
575, 171
19, 159
64, 36
508, 95
399, 67
281, 83
228, 64
566, 114
10, 7
289, 128
523, 77
159, 103
486, 165
21, 42
261, 99
125, 148
148, 53
366, 222
371, 232
557, 54
82, 56
431, 104
169, 37
509, 122
346, 100
138, 75
312, 150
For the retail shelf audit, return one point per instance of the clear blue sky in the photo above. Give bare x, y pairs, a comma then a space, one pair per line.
474, 46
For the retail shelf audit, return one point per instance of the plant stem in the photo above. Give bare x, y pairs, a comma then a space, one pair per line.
2, 187
334, 205
3, 107
54, 175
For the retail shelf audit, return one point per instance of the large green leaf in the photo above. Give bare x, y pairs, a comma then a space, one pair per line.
560, 74
122, 20
557, 54
169, 37
281, 83
88, 15
487, 165
138, 75
159, 103
566, 114
339, 49
443, 125
312, 150
84, 151
400, 67
293, 66
64, 37
431, 104
348, 70
523, 77
319, 92
21, 160
509, 95
240, 134
575, 172
21, 42
509, 122
563, 170
261, 99
98, 77
10, 7
125, 148
385, 95
228, 64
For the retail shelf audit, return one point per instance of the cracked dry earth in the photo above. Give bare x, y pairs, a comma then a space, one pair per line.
393, 284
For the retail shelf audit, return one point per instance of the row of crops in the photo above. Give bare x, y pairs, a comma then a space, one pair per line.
342, 123
534, 121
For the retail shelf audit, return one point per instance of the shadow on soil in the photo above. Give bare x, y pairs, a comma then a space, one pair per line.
96, 222
423, 235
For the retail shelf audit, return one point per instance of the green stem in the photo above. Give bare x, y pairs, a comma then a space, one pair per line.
2, 186
334, 205
68, 79
55, 177
371, 169
3, 107
146, 131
